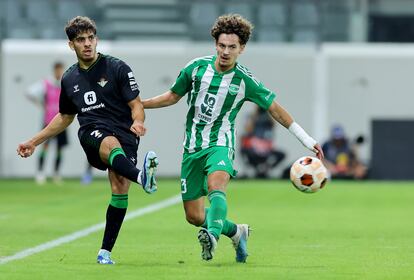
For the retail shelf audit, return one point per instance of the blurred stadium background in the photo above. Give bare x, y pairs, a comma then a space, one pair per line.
343, 61
329, 61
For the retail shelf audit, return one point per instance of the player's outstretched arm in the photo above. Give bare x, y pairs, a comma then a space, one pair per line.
138, 116
284, 118
59, 123
163, 100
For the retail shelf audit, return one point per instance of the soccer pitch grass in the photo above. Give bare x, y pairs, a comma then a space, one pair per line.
349, 230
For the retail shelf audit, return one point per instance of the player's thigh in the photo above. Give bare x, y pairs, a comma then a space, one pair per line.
193, 177
218, 180
220, 159
98, 142
91, 139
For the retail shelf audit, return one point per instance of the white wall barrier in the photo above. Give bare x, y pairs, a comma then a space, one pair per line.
349, 84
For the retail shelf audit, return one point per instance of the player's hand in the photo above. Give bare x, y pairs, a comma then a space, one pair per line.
138, 128
26, 149
319, 152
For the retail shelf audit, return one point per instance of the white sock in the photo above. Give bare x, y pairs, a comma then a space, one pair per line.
139, 178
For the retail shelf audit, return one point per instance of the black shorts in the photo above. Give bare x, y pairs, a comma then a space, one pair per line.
91, 138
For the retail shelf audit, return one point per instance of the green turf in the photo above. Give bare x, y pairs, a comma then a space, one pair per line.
350, 230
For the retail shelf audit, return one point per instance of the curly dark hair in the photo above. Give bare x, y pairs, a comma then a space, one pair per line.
232, 24
79, 25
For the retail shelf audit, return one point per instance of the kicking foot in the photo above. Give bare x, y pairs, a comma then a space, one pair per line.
148, 172
239, 241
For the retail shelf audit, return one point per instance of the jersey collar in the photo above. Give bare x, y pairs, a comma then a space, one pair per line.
92, 65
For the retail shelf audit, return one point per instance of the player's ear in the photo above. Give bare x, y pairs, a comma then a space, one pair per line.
71, 46
242, 48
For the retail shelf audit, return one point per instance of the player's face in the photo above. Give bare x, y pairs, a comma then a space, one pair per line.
85, 47
228, 49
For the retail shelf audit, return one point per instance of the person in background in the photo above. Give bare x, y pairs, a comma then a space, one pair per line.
257, 146
87, 177
341, 156
45, 94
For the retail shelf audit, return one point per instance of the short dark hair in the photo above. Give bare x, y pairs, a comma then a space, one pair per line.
232, 24
79, 25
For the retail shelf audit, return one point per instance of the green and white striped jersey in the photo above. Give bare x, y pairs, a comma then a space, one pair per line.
214, 99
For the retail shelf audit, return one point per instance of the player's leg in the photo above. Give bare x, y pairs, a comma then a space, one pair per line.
114, 215
103, 149
61, 142
193, 192
114, 155
87, 176
56, 171
219, 167
40, 175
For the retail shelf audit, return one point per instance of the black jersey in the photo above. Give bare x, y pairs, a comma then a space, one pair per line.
99, 94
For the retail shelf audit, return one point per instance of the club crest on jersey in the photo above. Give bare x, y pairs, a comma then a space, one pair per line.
102, 82
233, 89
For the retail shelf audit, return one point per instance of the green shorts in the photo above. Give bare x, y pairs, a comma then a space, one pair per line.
195, 168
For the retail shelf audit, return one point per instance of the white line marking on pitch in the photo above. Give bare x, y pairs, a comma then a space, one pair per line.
85, 232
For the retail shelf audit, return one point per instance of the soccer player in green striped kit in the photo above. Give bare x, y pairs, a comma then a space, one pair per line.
217, 86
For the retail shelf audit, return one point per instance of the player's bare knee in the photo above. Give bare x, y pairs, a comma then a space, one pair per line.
195, 220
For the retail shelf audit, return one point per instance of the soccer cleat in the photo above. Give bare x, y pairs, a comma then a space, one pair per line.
104, 257
239, 241
148, 171
208, 244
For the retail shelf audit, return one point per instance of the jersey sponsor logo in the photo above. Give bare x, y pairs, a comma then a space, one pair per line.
76, 88
97, 106
222, 163
183, 185
218, 222
207, 108
233, 89
96, 133
133, 159
89, 97
102, 82
133, 84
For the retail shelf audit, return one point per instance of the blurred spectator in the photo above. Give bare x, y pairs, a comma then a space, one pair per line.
341, 156
87, 177
45, 94
257, 147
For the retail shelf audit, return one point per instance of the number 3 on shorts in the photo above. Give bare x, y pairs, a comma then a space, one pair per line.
183, 185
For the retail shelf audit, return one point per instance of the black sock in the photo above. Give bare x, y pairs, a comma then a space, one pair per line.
41, 161
121, 165
114, 218
58, 161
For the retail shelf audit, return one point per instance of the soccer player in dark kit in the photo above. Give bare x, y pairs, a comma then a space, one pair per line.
101, 90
